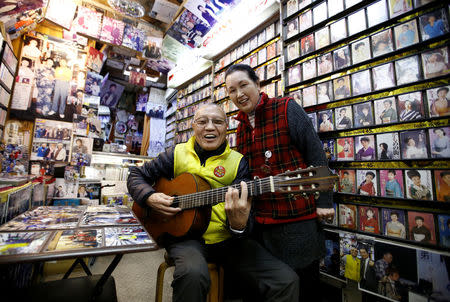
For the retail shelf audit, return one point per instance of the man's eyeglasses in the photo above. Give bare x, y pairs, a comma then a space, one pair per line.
202, 122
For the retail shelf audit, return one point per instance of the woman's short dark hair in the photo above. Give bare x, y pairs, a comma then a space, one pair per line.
242, 67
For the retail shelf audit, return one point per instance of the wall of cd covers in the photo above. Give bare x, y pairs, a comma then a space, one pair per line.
8, 66
373, 77
262, 51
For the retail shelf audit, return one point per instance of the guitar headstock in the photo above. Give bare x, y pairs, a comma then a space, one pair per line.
310, 180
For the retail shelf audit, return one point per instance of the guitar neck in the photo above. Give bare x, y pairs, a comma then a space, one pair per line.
215, 196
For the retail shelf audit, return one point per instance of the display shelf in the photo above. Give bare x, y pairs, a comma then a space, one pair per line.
427, 163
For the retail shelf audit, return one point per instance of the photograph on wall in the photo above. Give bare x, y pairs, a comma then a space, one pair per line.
343, 117
385, 111
407, 70
112, 30
341, 57
94, 59
442, 185
81, 151
42, 168
395, 271
421, 227
413, 144
361, 82
305, 20
347, 216
377, 13
309, 96
338, 30
393, 222
326, 120
189, 29
438, 101
61, 12
368, 219
383, 76
79, 125
444, 230
313, 119
439, 142
410, 106
65, 189
133, 37
294, 74
292, 28
345, 150
322, 37
363, 114
93, 83
433, 24
309, 69
331, 262
90, 191
335, 7
366, 182
88, 22
324, 92
356, 22
325, 64
365, 147
110, 93
341, 87
382, 43
406, 34
418, 184
347, 180
319, 13
307, 44
51, 140
435, 63
357, 258
391, 183
361, 51
22, 242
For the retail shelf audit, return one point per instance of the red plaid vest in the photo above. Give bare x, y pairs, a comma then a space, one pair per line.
272, 134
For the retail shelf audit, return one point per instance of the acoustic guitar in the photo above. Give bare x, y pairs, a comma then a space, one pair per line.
195, 197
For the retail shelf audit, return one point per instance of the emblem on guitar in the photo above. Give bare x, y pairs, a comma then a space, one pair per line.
195, 197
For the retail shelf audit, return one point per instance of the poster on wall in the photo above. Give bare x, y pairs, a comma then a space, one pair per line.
50, 71
110, 93
188, 29
61, 12
81, 151
87, 22
51, 140
112, 31
133, 37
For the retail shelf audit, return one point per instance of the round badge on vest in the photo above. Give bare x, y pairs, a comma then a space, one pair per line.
219, 171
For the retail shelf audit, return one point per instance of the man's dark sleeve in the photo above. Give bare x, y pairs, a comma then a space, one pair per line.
141, 179
306, 140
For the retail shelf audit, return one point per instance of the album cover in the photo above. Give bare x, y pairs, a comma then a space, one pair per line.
410, 106
93, 83
341, 57
329, 147
418, 184
4, 96
385, 111
363, 114
262, 56
126, 236
347, 180
253, 60
271, 90
94, 60
262, 37
365, 147
270, 33
322, 37
366, 181
421, 227
309, 69
110, 93
297, 96
324, 93
307, 44
292, 28
442, 185
305, 20
341, 87
388, 146
330, 264
112, 31
87, 22
313, 118
344, 117
440, 142
9, 58
81, 151
444, 230
320, 13
335, 6
361, 82
22, 243
260, 72
303, 3
254, 42
368, 219
293, 50
271, 70
291, 7
413, 144
345, 150
383, 76
406, 34
393, 222
76, 239
61, 12
438, 101
338, 30
98, 216
309, 96
433, 24
64, 189
382, 43
326, 122
294, 74
325, 64
435, 63
407, 70
391, 183
361, 51
398, 7
349, 3
377, 13
347, 216
356, 22
272, 51
134, 38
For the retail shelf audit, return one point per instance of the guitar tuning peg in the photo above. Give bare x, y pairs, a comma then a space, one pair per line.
316, 195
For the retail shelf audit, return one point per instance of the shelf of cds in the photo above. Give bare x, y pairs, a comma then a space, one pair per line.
8, 67
373, 77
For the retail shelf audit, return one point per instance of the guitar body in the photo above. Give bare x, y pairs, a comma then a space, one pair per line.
190, 222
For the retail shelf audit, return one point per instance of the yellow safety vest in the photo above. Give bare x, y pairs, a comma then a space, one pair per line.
218, 171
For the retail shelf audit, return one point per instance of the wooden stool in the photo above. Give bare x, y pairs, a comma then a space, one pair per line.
215, 273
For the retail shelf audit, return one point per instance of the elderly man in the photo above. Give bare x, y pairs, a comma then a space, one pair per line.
208, 155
